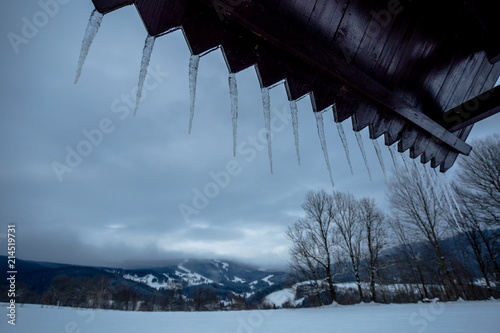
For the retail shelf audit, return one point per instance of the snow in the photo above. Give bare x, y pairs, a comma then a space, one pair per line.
280, 297
453, 317
152, 281
343, 138
363, 152
322, 139
237, 279
193, 279
194, 62
233, 94
90, 33
266, 103
225, 265
146, 58
295, 124
266, 279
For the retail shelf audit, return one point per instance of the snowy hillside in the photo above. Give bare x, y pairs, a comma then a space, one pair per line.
239, 278
455, 317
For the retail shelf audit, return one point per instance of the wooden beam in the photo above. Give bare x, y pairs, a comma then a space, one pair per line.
106, 6
257, 19
472, 111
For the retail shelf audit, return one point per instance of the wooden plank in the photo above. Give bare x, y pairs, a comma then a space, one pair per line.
487, 16
199, 19
445, 158
325, 19
466, 80
393, 134
298, 10
271, 5
106, 6
408, 74
350, 31
408, 137
271, 65
375, 38
345, 105
452, 156
364, 116
474, 110
160, 16
238, 47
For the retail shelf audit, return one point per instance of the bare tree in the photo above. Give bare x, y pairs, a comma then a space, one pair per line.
304, 267
478, 189
373, 223
346, 215
411, 256
479, 179
312, 241
413, 196
470, 225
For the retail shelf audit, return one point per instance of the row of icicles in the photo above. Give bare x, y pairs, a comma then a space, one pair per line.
92, 29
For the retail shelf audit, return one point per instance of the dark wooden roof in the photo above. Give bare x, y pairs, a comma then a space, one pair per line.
406, 69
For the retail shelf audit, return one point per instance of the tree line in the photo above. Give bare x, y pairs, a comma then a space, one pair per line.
438, 239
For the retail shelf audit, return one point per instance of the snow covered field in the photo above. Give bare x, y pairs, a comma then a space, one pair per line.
456, 317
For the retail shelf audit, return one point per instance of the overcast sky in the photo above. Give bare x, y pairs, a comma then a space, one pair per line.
122, 201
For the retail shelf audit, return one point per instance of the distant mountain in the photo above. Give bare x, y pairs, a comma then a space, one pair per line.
227, 278
224, 276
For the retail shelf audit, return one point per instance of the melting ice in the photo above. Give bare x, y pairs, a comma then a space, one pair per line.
322, 139
380, 158
363, 152
266, 102
233, 93
343, 138
295, 124
146, 57
194, 62
91, 31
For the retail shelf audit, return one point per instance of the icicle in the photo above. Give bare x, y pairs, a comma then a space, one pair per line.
322, 139
266, 102
295, 123
233, 93
91, 31
146, 57
404, 162
449, 194
428, 175
450, 199
392, 150
343, 138
363, 152
194, 62
380, 158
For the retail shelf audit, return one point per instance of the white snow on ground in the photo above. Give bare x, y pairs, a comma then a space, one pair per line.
454, 317
237, 279
148, 280
266, 279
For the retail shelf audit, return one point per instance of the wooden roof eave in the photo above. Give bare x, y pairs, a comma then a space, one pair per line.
281, 34
404, 122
